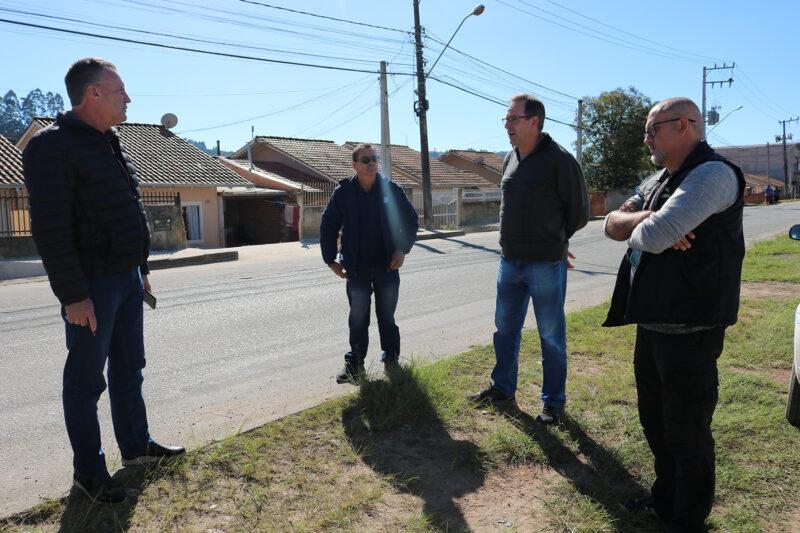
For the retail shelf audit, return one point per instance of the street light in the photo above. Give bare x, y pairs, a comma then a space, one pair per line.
421, 109
723, 118
477, 11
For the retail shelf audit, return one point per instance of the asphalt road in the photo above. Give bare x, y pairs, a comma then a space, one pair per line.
234, 345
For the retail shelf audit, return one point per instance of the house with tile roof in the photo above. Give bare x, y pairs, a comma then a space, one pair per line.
220, 207
489, 165
14, 216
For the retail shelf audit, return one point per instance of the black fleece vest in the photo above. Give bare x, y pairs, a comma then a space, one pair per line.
696, 287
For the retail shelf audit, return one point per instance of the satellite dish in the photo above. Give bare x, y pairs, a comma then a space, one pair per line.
169, 120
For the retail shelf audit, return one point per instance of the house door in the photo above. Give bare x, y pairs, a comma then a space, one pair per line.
193, 222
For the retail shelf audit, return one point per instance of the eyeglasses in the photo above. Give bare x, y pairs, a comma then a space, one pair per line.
369, 158
514, 118
651, 130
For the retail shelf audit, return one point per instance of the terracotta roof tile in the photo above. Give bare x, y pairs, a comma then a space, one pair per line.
327, 157
443, 175
163, 158
10, 164
486, 159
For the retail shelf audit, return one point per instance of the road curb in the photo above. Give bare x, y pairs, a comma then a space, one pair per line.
190, 260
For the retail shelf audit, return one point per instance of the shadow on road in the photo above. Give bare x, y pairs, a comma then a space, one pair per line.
394, 427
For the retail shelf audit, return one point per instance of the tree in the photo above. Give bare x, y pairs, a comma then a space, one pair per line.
15, 116
614, 155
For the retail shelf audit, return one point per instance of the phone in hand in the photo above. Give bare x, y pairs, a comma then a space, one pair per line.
149, 299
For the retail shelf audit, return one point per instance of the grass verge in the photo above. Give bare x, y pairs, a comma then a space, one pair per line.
406, 452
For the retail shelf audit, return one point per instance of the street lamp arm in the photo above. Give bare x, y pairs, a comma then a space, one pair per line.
477, 11
723, 118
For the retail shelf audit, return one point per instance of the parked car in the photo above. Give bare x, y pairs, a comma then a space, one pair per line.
793, 402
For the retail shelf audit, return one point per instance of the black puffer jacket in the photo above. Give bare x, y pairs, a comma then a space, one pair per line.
87, 216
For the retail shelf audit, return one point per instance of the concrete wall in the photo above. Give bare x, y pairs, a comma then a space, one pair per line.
310, 218
206, 197
166, 227
479, 213
616, 197
15, 247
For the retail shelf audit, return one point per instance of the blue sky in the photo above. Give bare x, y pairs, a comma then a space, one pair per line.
559, 50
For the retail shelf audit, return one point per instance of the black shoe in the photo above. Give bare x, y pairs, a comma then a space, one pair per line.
351, 373
100, 489
390, 365
154, 453
491, 395
549, 415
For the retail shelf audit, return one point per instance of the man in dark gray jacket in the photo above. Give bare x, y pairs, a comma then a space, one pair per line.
544, 202
90, 229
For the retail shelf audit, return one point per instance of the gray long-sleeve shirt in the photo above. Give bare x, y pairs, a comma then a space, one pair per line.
708, 189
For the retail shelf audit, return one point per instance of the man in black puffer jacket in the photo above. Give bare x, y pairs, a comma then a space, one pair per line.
91, 231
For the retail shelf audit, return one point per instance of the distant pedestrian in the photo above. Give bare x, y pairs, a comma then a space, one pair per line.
90, 228
768, 195
544, 202
776, 195
679, 281
378, 227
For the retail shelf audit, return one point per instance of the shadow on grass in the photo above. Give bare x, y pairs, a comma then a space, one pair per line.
394, 427
600, 477
80, 515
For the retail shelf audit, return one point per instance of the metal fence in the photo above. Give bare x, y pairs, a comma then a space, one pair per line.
317, 195
444, 207
483, 195
15, 218
161, 198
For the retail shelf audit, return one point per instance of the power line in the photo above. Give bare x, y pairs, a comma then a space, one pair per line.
630, 34
505, 71
601, 36
325, 17
191, 39
195, 50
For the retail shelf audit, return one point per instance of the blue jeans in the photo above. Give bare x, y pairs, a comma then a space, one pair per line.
545, 284
385, 284
119, 340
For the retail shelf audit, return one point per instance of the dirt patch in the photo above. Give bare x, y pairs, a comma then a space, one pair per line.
510, 499
771, 289
781, 376
789, 523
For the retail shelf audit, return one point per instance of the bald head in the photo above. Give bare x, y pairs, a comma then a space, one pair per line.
680, 107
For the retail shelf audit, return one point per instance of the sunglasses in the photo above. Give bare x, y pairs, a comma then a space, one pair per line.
369, 158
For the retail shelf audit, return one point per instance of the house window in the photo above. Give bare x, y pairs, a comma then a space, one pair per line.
192, 217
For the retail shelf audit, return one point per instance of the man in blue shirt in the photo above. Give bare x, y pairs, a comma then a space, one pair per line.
378, 227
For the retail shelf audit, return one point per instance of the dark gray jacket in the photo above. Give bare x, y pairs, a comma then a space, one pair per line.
87, 217
544, 202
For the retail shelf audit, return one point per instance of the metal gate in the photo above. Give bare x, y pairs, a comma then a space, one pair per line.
444, 207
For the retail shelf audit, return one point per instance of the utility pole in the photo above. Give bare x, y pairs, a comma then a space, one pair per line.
579, 143
767, 183
421, 109
386, 144
729, 81
785, 161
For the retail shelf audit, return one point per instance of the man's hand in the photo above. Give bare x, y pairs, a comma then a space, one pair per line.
629, 207
82, 314
338, 269
397, 259
146, 283
684, 243
570, 256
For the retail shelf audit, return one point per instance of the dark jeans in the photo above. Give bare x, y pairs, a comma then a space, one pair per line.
676, 381
385, 284
119, 340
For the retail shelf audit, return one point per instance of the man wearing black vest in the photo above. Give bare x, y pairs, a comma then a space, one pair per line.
679, 281
90, 228
544, 202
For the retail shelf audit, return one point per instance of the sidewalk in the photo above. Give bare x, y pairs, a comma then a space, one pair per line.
32, 267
